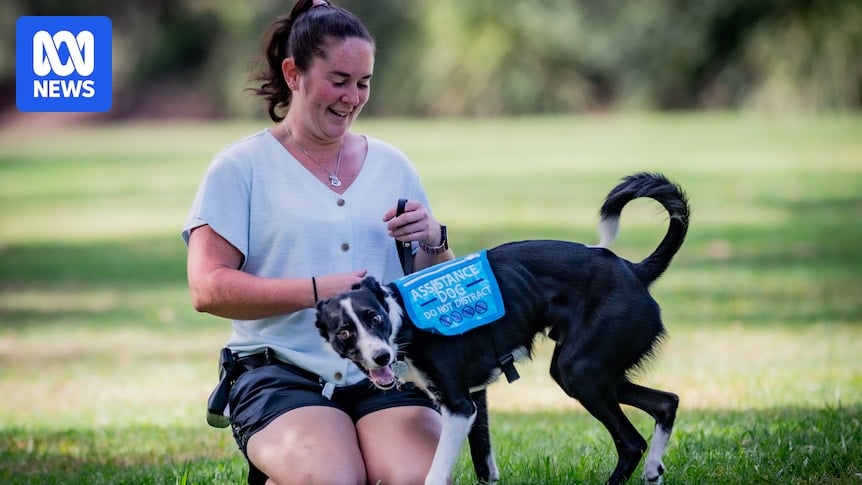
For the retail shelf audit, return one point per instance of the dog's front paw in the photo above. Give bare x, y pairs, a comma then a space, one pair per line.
653, 473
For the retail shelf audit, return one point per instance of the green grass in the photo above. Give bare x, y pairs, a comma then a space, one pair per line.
105, 368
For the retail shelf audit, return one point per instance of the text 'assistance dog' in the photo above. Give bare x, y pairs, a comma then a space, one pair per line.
592, 303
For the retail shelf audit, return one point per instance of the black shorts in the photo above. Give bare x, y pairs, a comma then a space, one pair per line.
260, 395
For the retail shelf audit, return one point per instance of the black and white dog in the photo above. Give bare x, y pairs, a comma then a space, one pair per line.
592, 303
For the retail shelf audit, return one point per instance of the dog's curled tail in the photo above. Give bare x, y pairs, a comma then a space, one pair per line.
670, 196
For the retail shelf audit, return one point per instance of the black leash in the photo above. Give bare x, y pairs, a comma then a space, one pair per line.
405, 248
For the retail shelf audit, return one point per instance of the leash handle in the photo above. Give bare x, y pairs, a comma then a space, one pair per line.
404, 248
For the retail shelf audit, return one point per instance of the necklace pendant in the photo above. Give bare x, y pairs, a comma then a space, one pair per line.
334, 180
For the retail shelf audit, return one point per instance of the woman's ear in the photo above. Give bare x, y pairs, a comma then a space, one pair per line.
290, 73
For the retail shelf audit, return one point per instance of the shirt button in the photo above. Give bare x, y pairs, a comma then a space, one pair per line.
341, 202
338, 376
345, 247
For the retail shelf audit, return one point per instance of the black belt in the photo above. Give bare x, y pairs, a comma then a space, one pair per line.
253, 361
265, 358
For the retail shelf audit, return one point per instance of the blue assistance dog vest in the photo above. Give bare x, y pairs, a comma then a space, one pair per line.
453, 297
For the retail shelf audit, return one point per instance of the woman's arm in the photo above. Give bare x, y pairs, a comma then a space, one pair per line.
220, 288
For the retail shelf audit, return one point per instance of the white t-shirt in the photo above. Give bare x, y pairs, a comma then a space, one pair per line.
288, 224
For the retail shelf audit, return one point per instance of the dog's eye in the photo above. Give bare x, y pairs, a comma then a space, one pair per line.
377, 319
343, 334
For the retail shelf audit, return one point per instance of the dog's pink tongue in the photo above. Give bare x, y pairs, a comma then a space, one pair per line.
382, 376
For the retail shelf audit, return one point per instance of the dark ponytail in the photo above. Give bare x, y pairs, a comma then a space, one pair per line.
302, 35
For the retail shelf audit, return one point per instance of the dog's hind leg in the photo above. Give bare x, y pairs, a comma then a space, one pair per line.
662, 407
480, 442
583, 380
456, 426
602, 404
629, 443
595, 391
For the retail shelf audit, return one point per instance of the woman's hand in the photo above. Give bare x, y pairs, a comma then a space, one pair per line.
415, 224
329, 286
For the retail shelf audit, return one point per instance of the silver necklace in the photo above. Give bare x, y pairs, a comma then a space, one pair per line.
333, 176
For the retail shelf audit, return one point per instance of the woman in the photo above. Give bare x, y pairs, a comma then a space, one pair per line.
299, 213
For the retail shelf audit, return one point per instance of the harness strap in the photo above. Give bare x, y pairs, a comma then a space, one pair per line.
507, 364
405, 248
507, 361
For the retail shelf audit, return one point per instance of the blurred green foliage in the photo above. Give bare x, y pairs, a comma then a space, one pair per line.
494, 57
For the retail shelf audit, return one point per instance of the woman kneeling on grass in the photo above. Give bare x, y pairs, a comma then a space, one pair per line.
298, 213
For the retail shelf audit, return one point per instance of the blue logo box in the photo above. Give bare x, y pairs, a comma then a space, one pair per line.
63, 64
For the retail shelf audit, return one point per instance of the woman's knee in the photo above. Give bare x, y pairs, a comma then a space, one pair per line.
309, 445
398, 444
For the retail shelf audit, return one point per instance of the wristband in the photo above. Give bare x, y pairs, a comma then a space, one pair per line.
444, 243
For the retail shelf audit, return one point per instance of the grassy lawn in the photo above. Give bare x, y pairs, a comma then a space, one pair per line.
105, 368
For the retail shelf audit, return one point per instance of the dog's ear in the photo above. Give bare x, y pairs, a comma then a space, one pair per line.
368, 282
371, 284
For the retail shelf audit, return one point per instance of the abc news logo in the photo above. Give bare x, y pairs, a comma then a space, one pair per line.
63, 64
46, 59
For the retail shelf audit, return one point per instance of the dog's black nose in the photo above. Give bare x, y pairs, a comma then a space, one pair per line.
381, 358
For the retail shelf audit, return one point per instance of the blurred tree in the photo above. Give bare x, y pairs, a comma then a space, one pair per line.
508, 56
805, 55
492, 57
